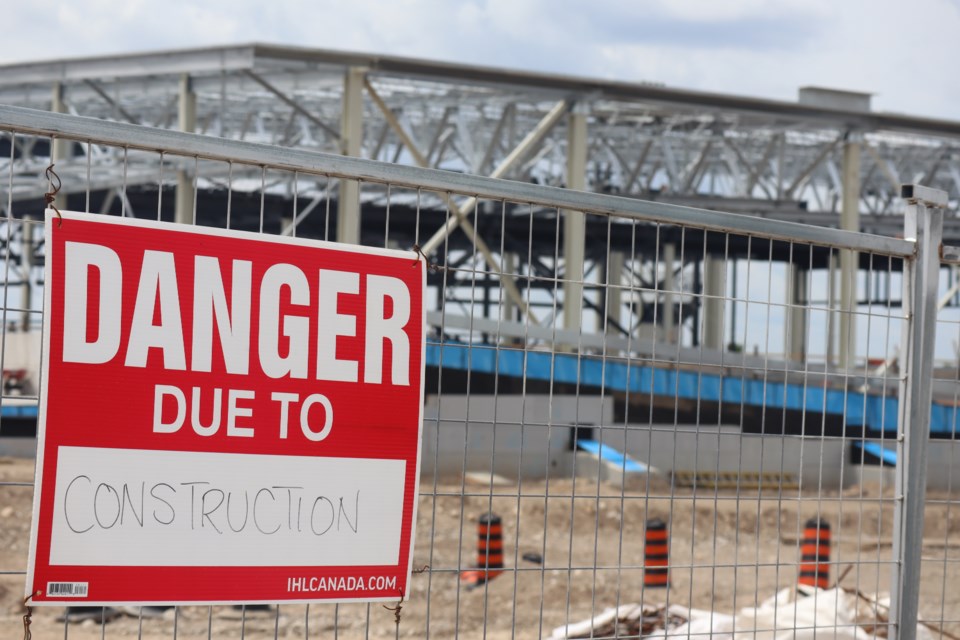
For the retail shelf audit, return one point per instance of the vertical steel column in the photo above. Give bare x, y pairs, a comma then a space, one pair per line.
714, 270
60, 151
850, 220
796, 337
667, 312
613, 292
188, 122
351, 141
61, 148
732, 328
924, 224
574, 222
26, 265
831, 350
508, 308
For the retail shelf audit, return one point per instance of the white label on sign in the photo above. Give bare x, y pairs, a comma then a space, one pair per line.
123, 507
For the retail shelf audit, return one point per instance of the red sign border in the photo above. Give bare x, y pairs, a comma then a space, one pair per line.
53, 217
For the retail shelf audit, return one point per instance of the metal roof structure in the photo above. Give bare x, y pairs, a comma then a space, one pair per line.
773, 158
826, 159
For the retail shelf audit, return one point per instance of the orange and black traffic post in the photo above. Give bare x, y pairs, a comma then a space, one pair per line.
815, 554
489, 552
655, 555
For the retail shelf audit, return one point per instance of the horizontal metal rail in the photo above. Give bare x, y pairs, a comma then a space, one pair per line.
30, 121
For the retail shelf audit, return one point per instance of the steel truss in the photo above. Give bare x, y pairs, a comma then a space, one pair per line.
762, 156
799, 162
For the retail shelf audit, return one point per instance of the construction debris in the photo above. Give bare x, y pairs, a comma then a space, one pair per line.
795, 613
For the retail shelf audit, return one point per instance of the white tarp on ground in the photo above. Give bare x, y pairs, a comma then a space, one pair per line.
796, 613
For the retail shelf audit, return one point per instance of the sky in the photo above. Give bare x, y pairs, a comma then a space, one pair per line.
904, 53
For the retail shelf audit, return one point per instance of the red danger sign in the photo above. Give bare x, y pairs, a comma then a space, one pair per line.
225, 417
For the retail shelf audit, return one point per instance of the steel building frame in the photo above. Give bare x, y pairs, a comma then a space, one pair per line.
919, 255
826, 159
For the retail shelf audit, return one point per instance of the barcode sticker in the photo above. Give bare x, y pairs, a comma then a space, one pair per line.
67, 589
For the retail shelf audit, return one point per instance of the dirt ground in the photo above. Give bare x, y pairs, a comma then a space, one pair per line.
726, 553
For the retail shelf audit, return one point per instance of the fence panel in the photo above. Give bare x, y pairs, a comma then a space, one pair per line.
935, 550
609, 448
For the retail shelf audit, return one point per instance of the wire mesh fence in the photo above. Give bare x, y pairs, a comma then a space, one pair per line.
656, 439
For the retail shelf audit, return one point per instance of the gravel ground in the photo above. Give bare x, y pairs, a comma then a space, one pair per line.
727, 552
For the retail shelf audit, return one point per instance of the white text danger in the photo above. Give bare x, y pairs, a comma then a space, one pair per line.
298, 315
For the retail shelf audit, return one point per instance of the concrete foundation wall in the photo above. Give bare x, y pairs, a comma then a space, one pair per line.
943, 465
491, 435
525, 436
811, 461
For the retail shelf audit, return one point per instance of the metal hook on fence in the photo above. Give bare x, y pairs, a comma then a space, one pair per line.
430, 266
50, 196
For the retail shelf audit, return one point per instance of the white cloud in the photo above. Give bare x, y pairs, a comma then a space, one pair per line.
735, 9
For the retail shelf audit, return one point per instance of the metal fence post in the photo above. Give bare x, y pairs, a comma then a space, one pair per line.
923, 223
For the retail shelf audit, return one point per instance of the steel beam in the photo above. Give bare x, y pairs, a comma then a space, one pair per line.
714, 281
129, 117
290, 229
883, 165
494, 143
508, 308
810, 168
574, 223
395, 124
668, 259
26, 266
798, 296
201, 60
293, 104
351, 140
42, 123
61, 147
781, 162
631, 179
757, 170
849, 219
461, 212
832, 304
435, 151
520, 151
614, 290
186, 195
213, 60
692, 178
931, 172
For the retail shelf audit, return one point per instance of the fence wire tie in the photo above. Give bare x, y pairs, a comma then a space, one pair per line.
396, 610
436, 268
422, 569
50, 196
27, 618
